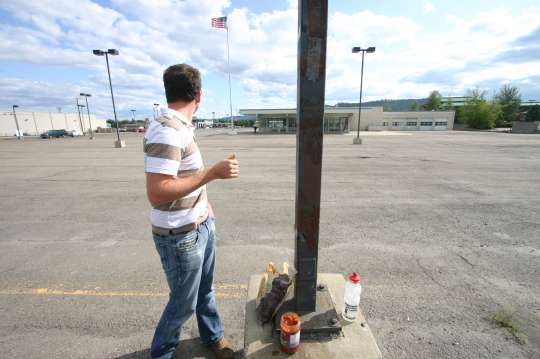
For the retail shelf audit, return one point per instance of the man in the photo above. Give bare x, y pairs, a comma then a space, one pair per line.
182, 219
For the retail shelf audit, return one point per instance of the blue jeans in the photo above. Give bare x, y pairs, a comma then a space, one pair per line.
188, 261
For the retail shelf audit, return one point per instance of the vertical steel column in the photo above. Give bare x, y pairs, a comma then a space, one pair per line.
312, 24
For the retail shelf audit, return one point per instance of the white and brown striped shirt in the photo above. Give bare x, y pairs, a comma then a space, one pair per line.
170, 148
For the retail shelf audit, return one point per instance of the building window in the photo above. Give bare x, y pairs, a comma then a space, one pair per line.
412, 123
441, 123
385, 123
275, 124
395, 124
292, 121
335, 124
426, 123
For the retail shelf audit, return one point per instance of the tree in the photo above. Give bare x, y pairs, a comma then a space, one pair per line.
509, 99
478, 112
414, 105
433, 101
533, 114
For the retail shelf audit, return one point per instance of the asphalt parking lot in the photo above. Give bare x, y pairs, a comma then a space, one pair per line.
444, 227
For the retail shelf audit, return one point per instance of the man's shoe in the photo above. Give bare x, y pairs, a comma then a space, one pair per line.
223, 349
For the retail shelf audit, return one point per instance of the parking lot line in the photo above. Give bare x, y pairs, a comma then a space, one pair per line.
223, 290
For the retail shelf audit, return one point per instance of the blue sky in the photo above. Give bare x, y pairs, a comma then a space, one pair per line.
450, 46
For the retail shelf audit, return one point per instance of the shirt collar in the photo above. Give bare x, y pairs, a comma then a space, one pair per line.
173, 113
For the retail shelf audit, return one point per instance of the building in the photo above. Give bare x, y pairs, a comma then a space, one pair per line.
345, 119
454, 101
203, 123
35, 123
460, 101
133, 127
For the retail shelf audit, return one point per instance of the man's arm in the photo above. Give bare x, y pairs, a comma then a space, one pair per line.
162, 188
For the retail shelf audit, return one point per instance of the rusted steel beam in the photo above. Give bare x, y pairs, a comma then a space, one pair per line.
313, 15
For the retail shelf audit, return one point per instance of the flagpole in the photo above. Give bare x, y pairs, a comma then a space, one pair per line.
229, 69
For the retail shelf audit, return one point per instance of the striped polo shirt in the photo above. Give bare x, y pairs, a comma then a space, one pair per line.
170, 148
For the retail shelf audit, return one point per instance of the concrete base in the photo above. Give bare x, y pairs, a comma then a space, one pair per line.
119, 144
357, 141
357, 341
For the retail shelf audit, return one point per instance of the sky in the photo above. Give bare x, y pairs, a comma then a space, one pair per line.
46, 51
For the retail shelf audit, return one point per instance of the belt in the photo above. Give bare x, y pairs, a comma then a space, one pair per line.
179, 230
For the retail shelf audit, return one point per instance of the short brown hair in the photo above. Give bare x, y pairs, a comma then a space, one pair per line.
182, 82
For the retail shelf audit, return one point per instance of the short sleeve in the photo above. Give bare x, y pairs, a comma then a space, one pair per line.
162, 149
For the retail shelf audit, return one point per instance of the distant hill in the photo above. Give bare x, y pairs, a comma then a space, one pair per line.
389, 105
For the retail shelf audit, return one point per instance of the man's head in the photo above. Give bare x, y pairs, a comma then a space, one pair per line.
182, 84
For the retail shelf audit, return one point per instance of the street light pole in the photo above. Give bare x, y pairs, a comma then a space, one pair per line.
35, 124
360, 99
156, 111
119, 143
79, 112
86, 95
371, 49
112, 98
19, 137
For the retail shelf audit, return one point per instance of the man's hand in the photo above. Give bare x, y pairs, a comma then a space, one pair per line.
165, 188
225, 169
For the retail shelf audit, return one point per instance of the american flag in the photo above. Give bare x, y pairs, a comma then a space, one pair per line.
219, 22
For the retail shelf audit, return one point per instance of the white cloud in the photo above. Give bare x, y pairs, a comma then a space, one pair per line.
410, 60
460, 57
428, 7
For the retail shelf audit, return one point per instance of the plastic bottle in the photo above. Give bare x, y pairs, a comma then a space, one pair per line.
290, 332
352, 297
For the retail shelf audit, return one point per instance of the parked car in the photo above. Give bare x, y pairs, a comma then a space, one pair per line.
54, 134
75, 133
122, 129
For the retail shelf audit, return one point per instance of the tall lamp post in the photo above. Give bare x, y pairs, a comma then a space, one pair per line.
81, 114
86, 95
369, 50
156, 110
80, 117
118, 143
19, 137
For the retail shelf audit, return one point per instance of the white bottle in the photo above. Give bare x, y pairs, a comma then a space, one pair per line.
352, 297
